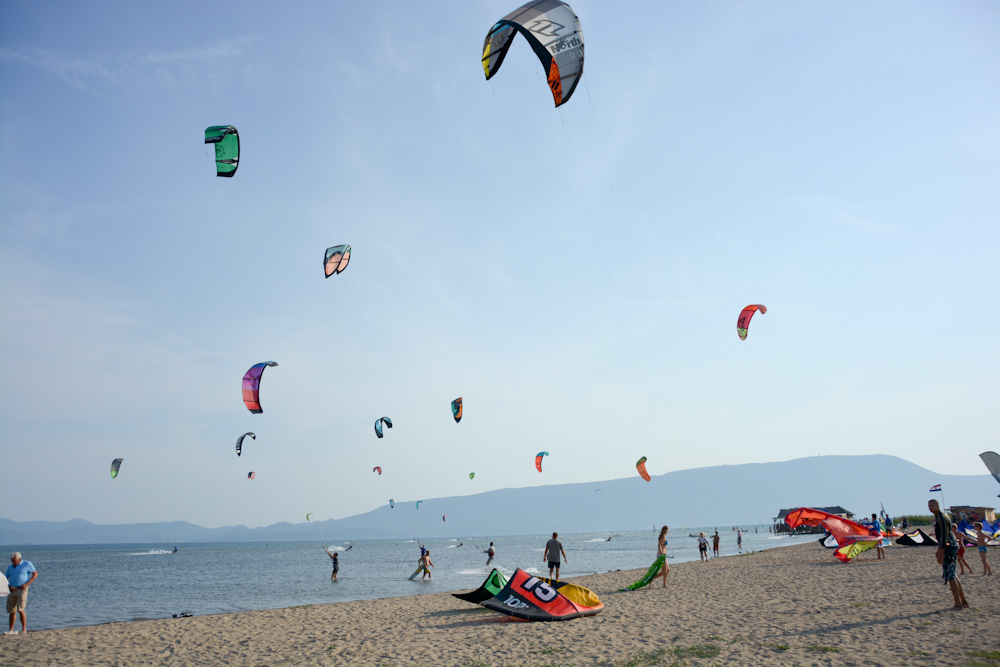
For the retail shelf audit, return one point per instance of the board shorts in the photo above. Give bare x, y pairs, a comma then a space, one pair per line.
336, 569
702, 547
948, 567
983, 550
554, 563
16, 600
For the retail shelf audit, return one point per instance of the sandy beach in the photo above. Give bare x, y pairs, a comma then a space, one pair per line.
789, 606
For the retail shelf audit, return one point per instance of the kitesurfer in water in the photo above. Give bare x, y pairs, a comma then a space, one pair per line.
552, 550
336, 563
491, 553
175, 549
424, 563
661, 550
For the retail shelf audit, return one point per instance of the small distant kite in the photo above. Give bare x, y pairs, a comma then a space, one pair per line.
472, 475
538, 460
378, 425
115, 465
392, 503
456, 409
991, 459
239, 442
418, 503
377, 469
444, 517
553, 31
596, 491
251, 475
640, 465
743, 323
308, 515
336, 258
251, 386
227, 148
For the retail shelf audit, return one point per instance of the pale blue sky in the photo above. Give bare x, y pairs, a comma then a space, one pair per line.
574, 274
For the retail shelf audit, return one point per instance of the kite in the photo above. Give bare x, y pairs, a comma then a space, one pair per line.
251, 386
239, 442
491, 587
392, 503
115, 465
596, 491
308, 515
377, 469
743, 323
418, 503
651, 573
251, 475
227, 148
992, 461
640, 465
336, 258
849, 551
538, 460
553, 31
471, 475
444, 517
917, 538
456, 409
378, 425
845, 531
533, 599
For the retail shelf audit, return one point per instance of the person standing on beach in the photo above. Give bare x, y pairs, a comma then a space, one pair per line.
981, 545
963, 564
491, 552
20, 574
715, 545
947, 552
552, 550
702, 546
424, 563
336, 564
661, 550
876, 529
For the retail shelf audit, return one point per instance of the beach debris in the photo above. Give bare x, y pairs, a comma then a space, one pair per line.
640, 465
378, 425
538, 460
456, 409
746, 314
251, 386
239, 442
115, 466
553, 31
183, 614
227, 149
335, 260
535, 599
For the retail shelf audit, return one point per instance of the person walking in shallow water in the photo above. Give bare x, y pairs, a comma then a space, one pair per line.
702, 546
336, 564
947, 553
661, 551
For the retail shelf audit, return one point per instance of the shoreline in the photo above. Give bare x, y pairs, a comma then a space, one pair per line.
790, 605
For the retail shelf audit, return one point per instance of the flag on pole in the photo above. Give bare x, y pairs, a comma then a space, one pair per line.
936, 487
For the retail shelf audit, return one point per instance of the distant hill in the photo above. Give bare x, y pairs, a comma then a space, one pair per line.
715, 496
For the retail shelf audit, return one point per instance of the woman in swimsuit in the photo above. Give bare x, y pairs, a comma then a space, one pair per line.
702, 546
981, 545
661, 551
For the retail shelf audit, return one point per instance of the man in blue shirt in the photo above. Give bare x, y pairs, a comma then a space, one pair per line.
19, 575
876, 529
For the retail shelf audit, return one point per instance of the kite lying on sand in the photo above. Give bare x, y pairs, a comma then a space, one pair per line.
534, 599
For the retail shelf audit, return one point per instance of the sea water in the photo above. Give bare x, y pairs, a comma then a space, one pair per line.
92, 584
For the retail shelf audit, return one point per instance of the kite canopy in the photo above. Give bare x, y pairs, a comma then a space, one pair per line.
227, 148
392, 503
917, 538
308, 515
849, 551
743, 323
456, 409
992, 461
239, 442
377, 469
538, 460
845, 531
640, 465
491, 587
336, 259
528, 597
378, 425
472, 475
251, 386
418, 503
251, 474
553, 31
115, 465
444, 517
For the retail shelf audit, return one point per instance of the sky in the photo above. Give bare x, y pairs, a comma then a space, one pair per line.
574, 273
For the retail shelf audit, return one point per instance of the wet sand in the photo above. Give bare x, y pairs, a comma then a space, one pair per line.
788, 606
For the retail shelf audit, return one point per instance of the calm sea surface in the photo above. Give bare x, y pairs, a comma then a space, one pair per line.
91, 584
